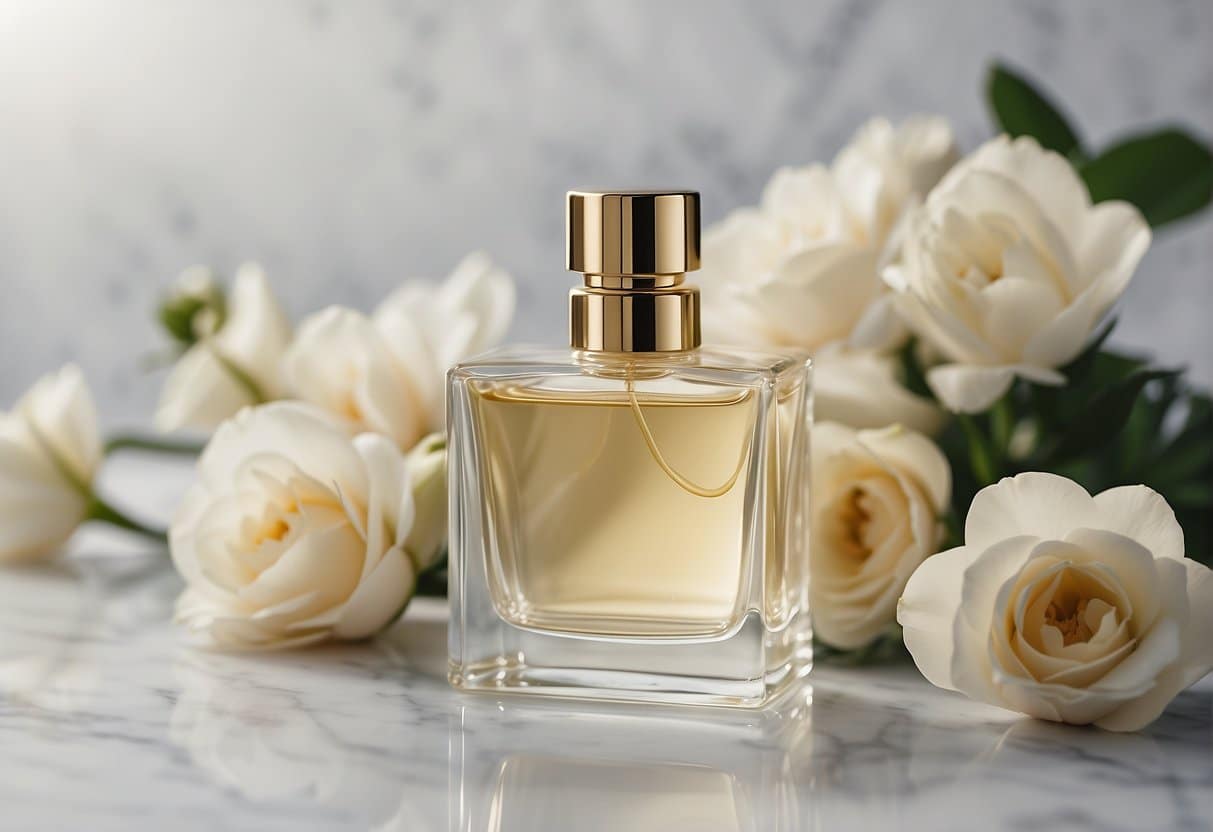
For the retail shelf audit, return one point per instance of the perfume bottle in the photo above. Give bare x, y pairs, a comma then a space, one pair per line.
628, 517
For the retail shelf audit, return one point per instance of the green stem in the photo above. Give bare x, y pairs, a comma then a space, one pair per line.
134, 442
100, 510
1002, 424
981, 455
241, 377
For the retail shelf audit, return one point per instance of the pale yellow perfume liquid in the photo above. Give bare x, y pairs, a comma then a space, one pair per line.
616, 512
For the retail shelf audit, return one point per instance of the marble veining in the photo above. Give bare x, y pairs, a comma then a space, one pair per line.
108, 722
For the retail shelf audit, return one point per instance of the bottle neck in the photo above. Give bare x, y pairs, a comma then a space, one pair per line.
634, 314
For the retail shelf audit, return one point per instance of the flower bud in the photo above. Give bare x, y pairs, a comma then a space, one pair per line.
427, 473
196, 308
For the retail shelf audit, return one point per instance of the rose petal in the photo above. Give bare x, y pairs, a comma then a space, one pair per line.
1142, 514
969, 388
302, 433
880, 327
329, 561
860, 389
379, 598
1130, 564
1114, 238
60, 409
1011, 309
390, 501
1038, 504
257, 330
816, 296
928, 611
915, 455
199, 392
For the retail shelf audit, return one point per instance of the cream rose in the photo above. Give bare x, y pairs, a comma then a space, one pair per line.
1064, 606
803, 268
50, 450
385, 373
878, 496
235, 366
795, 272
294, 532
1008, 268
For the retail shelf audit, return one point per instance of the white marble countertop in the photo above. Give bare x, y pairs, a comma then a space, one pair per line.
108, 722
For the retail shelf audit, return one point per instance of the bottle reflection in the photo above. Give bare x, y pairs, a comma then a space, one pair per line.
517, 766
594, 796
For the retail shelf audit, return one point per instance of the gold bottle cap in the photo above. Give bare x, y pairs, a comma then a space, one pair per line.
616, 233
634, 249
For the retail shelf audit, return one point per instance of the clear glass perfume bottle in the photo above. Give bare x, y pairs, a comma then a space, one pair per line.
629, 517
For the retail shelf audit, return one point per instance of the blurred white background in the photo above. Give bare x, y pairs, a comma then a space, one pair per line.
349, 145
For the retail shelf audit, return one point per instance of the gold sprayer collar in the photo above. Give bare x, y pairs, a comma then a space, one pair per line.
633, 249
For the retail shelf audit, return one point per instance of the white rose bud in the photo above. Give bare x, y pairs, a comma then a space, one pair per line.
427, 472
386, 373
1008, 268
50, 450
1064, 606
878, 496
197, 307
293, 532
235, 367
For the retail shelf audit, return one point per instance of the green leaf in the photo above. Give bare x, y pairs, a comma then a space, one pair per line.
1104, 415
1193, 494
1167, 175
1021, 110
913, 378
1183, 460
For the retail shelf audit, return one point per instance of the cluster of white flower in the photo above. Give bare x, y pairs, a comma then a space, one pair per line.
1001, 267
319, 497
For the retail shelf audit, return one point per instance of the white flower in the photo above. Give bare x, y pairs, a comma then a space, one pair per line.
1064, 606
50, 450
427, 472
294, 532
861, 389
341, 363
1008, 267
886, 170
385, 373
878, 496
803, 269
236, 366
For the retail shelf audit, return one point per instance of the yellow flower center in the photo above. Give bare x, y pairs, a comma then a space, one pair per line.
855, 517
1069, 618
276, 530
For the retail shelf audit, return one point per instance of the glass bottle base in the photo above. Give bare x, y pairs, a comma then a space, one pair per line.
747, 669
